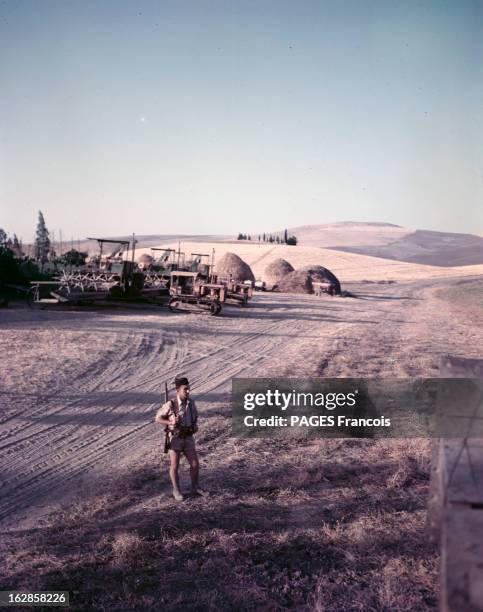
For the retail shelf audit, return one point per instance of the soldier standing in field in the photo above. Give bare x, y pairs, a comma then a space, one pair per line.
180, 418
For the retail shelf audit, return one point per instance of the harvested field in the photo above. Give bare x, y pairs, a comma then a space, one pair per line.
331, 525
348, 267
349, 234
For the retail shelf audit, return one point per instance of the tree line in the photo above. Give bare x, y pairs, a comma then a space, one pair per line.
273, 238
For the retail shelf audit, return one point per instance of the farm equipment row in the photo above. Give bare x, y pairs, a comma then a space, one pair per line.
104, 278
168, 278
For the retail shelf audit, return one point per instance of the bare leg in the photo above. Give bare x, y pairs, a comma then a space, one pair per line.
194, 467
174, 457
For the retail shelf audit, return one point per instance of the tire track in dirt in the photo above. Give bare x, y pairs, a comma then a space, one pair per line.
91, 378
83, 402
363, 342
93, 402
46, 459
71, 448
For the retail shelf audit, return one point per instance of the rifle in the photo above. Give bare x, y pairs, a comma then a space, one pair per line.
166, 436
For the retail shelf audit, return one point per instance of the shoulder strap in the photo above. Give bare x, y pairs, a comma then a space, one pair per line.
175, 406
195, 419
173, 410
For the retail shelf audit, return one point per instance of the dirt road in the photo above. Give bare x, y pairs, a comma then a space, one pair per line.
79, 389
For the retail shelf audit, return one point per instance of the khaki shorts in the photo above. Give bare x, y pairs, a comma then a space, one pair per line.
182, 444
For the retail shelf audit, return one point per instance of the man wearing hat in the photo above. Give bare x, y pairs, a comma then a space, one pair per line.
180, 417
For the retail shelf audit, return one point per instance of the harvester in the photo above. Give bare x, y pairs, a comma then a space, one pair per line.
107, 277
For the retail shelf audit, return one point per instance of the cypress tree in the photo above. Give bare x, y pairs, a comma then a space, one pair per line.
17, 246
42, 240
3, 238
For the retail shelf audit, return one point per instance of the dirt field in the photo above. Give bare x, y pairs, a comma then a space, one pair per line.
325, 525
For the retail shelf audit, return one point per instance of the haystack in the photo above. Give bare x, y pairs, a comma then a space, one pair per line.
145, 258
230, 265
276, 271
298, 281
322, 275
144, 261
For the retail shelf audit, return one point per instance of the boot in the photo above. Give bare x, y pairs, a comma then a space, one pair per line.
198, 492
178, 496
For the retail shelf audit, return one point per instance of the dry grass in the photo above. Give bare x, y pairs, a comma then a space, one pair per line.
346, 266
325, 525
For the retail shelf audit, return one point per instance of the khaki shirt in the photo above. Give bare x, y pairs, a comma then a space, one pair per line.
188, 412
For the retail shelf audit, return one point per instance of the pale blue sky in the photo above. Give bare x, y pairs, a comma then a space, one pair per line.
219, 117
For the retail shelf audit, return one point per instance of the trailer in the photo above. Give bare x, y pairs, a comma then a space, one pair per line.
321, 287
238, 293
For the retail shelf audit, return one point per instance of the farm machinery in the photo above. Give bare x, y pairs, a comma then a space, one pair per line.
197, 285
321, 287
165, 276
195, 289
106, 277
238, 293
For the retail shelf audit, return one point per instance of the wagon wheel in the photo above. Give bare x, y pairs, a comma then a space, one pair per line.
173, 304
116, 292
215, 308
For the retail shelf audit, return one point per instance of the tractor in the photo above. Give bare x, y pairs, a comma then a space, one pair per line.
193, 288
